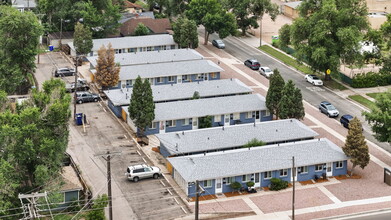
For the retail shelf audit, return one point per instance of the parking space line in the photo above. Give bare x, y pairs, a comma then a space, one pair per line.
165, 178
125, 136
144, 160
138, 152
169, 191
183, 210
162, 183
176, 201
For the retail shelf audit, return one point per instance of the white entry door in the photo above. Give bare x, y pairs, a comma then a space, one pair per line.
257, 180
219, 185
162, 127
195, 123
226, 119
295, 170
329, 169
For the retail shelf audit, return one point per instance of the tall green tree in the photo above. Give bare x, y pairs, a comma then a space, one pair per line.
386, 30
141, 108
291, 103
107, 71
355, 145
328, 32
380, 117
82, 39
213, 17
205, 122
19, 38
185, 33
141, 30
274, 93
285, 35
262, 7
245, 19
97, 212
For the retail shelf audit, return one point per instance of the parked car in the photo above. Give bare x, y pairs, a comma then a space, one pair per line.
252, 63
266, 71
137, 172
313, 79
218, 43
81, 86
64, 72
345, 119
328, 109
82, 97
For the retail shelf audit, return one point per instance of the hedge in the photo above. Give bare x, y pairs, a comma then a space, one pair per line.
371, 79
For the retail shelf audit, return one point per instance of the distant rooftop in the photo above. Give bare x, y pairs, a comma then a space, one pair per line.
180, 91
168, 69
256, 159
217, 138
132, 42
293, 5
204, 107
160, 56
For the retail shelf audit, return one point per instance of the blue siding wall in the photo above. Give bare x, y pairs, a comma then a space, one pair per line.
340, 171
208, 190
163, 150
220, 123
305, 176
266, 118
217, 76
117, 110
164, 81
149, 131
179, 126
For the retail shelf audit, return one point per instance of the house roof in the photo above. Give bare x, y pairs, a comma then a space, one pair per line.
128, 4
132, 42
24, 3
65, 35
293, 5
234, 136
204, 107
168, 69
71, 181
182, 91
156, 26
125, 16
256, 159
159, 56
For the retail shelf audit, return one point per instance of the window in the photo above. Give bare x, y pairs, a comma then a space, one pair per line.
132, 50
116, 51
172, 47
147, 169
249, 114
185, 78
171, 123
217, 118
318, 167
339, 164
171, 79
152, 125
200, 76
246, 178
284, 172
149, 48
236, 116
158, 79
213, 75
185, 122
267, 175
164, 47
303, 169
266, 113
129, 82
229, 180
207, 183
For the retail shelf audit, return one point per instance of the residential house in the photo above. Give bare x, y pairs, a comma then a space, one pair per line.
232, 137
159, 56
54, 38
179, 91
290, 9
132, 7
155, 26
216, 171
132, 44
71, 188
23, 5
169, 73
185, 115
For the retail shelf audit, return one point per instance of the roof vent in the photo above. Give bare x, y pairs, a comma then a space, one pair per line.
208, 138
176, 147
231, 79
276, 130
291, 120
198, 82
126, 96
318, 139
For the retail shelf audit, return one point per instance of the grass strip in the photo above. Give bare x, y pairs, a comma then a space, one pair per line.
362, 100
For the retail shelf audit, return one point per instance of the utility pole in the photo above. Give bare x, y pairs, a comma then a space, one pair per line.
107, 157
293, 194
30, 209
197, 199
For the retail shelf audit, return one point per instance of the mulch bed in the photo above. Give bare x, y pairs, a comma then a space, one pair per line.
308, 182
236, 193
265, 188
344, 177
203, 198
321, 180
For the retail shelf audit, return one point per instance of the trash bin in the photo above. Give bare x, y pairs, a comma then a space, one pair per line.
51, 47
79, 119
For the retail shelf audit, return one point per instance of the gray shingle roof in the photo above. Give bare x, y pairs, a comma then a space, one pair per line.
234, 136
203, 107
132, 42
168, 69
257, 159
160, 56
180, 91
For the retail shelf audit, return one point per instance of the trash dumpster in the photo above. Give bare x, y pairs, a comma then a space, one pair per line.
51, 47
79, 119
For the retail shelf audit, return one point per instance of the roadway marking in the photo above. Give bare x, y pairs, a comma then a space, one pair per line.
176, 201
125, 136
162, 183
165, 178
144, 160
183, 210
169, 191
138, 152
315, 89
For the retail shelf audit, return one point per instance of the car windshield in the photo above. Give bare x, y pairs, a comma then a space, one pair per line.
219, 41
268, 70
330, 107
315, 77
255, 63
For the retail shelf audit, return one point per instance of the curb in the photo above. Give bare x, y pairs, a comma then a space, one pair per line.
356, 214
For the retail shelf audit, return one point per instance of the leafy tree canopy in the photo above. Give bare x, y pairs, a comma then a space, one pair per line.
329, 31
141, 30
82, 39
107, 71
274, 93
291, 103
185, 33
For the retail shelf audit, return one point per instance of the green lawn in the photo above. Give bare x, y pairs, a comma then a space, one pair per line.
360, 99
374, 94
302, 68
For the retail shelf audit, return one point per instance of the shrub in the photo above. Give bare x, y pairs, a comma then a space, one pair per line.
254, 143
278, 184
371, 79
250, 184
236, 185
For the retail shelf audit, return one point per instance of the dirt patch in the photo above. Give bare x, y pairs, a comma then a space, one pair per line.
203, 198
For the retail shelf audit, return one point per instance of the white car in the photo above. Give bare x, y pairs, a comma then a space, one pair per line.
314, 80
266, 71
142, 171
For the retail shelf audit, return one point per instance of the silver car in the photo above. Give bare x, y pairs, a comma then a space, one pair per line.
137, 172
328, 109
